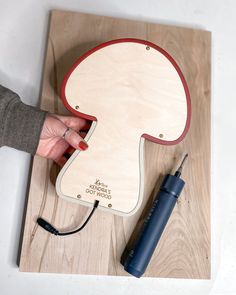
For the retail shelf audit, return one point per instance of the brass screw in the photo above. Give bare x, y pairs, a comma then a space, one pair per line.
161, 135
78, 196
109, 205
77, 107
147, 48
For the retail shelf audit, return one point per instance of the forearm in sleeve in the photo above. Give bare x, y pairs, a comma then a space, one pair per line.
20, 124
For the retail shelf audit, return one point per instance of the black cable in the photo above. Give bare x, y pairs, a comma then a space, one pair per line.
47, 226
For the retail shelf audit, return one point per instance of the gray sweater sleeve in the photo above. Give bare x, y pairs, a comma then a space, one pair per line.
20, 124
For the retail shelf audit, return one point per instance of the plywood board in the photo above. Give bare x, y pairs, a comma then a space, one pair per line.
131, 90
184, 249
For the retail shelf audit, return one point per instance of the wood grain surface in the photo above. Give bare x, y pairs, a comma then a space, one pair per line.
184, 249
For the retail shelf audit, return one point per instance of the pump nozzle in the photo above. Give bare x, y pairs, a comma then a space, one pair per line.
179, 170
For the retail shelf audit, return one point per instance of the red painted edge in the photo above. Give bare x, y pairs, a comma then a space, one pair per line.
150, 44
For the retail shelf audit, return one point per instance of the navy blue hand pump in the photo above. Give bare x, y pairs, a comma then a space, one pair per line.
141, 252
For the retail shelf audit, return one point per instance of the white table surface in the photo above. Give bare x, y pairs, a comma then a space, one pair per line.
23, 28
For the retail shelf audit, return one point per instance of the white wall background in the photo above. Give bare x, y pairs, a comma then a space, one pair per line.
23, 28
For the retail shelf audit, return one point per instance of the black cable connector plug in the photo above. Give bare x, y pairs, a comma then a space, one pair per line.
48, 227
96, 204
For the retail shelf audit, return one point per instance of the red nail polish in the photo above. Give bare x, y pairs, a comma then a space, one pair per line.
83, 145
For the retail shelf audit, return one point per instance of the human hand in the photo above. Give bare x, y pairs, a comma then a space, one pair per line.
53, 145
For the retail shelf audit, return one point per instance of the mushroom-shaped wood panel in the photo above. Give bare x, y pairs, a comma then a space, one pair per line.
132, 90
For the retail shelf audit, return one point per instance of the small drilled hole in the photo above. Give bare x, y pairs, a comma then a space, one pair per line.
109, 205
77, 107
78, 196
161, 135
147, 48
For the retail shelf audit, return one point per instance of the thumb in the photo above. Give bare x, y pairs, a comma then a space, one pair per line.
75, 140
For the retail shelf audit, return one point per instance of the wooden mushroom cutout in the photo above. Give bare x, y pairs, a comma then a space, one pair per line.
132, 90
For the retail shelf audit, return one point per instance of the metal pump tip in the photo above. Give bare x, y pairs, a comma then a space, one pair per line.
179, 170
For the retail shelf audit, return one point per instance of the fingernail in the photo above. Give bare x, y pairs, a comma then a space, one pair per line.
83, 145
